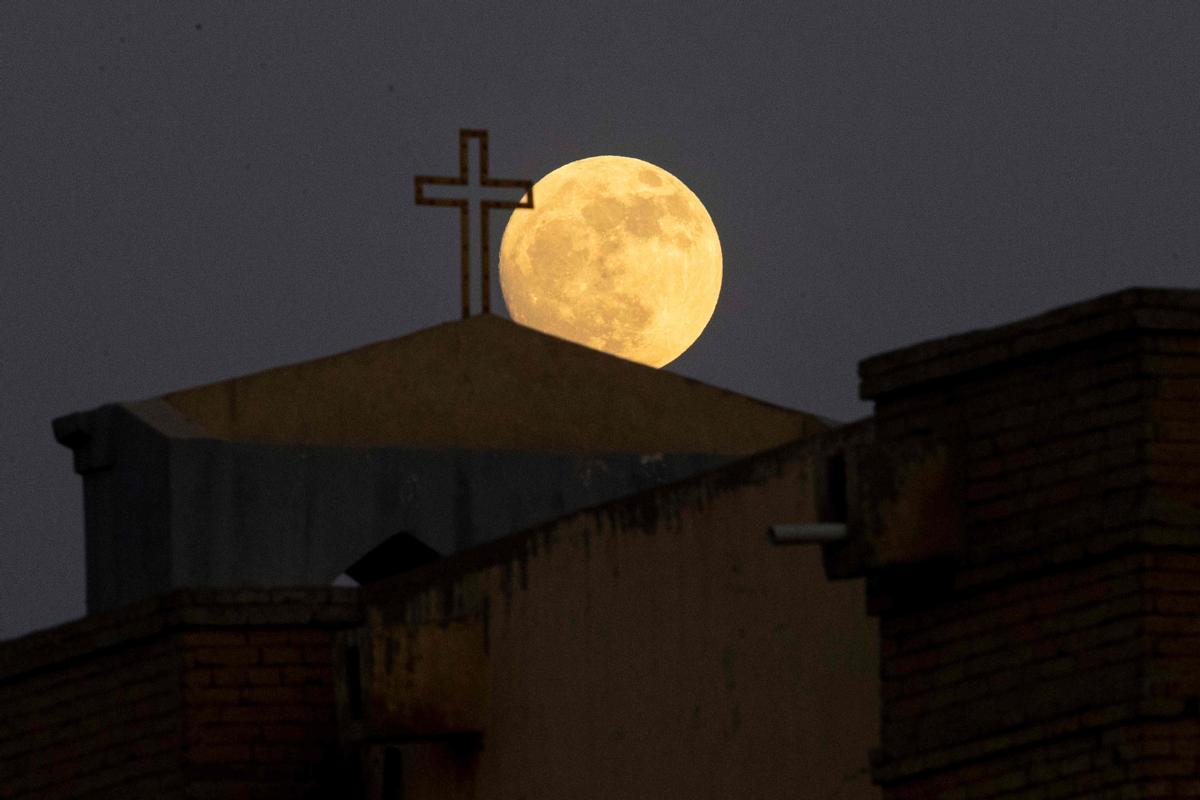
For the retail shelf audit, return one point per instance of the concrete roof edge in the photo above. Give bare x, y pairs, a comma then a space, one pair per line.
493, 319
1124, 310
454, 566
164, 418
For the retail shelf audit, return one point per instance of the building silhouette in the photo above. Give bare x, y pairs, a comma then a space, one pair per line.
586, 578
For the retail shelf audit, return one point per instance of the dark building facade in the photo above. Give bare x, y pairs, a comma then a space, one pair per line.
455, 435
1002, 602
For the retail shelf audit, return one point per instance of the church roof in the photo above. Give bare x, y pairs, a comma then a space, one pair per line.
486, 382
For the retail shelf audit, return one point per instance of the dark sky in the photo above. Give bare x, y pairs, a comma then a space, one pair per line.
191, 191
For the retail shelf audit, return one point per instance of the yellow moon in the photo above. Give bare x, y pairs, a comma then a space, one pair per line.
616, 254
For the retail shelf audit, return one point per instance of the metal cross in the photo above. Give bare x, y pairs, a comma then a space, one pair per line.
463, 205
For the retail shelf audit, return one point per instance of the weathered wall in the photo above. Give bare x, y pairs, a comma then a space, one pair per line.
165, 509
249, 514
1056, 652
658, 646
196, 694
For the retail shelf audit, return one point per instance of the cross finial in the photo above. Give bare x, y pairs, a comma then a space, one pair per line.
464, 204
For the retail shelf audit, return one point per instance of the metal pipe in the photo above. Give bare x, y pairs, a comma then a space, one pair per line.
807, 532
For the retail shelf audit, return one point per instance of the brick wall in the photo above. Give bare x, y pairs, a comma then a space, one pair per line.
1055, 653
107, 724
198, 694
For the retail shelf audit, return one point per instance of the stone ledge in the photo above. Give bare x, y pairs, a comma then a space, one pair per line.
318, 607
1107, 315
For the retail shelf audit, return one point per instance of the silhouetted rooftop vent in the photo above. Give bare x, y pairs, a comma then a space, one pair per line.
396, 554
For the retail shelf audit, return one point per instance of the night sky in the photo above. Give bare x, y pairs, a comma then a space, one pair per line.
193, 191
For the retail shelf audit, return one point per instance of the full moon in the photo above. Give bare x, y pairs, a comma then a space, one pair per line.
616, 254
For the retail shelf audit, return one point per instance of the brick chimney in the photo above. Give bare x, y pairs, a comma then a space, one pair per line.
1028, 520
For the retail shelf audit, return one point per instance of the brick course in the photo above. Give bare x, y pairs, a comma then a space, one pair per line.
196, 694
1061, 656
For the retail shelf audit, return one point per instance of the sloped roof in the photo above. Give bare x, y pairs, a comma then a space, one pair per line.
487, 382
